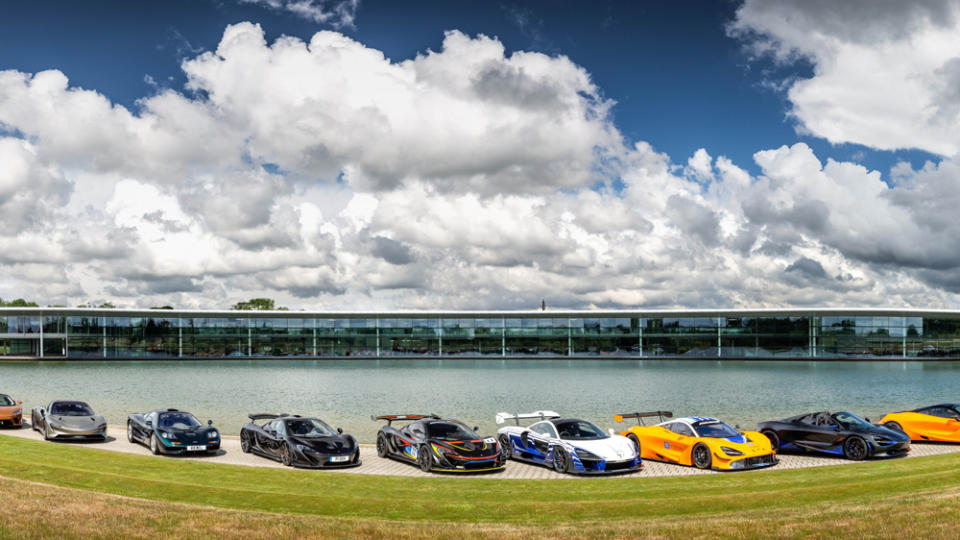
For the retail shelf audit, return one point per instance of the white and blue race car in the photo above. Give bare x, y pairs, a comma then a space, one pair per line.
569, 445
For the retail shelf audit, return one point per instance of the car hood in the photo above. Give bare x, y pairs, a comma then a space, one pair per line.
613, 448
7, 409
329, 445
880, 431
77, 422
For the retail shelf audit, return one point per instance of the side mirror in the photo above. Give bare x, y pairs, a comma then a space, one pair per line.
868, 420
209, 422
19, 402
736, 427
149, 422
340, 430
476, 428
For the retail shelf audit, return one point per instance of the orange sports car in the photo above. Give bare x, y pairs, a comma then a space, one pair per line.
933, 423
11, 412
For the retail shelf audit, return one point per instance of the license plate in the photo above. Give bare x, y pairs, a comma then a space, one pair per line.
196, 448
339, 459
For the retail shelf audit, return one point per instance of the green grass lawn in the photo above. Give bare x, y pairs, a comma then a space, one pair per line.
879, 498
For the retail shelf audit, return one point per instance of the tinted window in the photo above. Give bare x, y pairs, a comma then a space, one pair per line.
6, 401
178, 420
719, 430
942, 412
308, 427
450, 431
681, 429
579, 430
849, 420
544, 428
71, 408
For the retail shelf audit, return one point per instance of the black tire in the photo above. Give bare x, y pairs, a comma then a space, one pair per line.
286, 455
381, 445
636, 441
855, 448
505, 447
154, 444
774, 439
129, 432
700, 456
894, 426
245, 442
424, 459
561, 462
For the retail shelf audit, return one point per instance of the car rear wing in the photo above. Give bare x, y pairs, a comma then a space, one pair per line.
641, 415
516, 417
263, 416
391, 418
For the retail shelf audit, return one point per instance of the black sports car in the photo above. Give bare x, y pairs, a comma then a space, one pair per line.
438, 445
297, 441
171, 431
839, 433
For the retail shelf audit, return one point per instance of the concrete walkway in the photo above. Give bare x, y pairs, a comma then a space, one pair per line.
230, 453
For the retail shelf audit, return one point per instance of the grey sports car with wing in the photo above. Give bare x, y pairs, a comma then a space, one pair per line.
68, 420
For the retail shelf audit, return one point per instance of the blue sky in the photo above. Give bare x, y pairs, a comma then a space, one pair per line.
361, 154
679, 80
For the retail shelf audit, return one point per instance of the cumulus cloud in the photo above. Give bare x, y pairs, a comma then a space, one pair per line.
327, 176
884, 72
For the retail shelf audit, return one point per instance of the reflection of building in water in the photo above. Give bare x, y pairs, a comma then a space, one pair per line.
817, 333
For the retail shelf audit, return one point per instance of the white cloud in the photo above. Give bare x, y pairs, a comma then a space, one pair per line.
325, 175
885, 74
336, 13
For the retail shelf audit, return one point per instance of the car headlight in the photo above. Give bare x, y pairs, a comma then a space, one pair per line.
730, 451
166, 435
213, 434
302, 448
583, 454
18, 411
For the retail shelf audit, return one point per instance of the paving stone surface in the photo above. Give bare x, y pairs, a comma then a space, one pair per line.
230, 453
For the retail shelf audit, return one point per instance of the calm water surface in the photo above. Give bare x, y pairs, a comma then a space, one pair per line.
346, 393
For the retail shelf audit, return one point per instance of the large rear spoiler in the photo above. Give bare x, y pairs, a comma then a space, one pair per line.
265, 416
641, 415
391, 418
540, 415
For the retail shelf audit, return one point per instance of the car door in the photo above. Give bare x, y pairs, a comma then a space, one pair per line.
938, 421
411, 436
827, 433
682, 438
268, 438
539, 438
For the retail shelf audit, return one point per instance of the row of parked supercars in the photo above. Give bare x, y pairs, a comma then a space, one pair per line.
568, 445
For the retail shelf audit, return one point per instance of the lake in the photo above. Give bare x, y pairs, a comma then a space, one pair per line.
346, 393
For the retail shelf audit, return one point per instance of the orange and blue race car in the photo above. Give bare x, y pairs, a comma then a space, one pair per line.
701, 441
933, 423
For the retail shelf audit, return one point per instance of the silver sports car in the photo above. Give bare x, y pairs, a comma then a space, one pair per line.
68, 420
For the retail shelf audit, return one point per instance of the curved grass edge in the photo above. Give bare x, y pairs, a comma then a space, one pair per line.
852, 492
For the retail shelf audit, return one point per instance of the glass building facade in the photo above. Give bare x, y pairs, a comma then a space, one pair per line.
734, 334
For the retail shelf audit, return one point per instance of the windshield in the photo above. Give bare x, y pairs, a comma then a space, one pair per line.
718, 430
578, 430
178, 420
449, 431
6, 401
71, 408
308, 427
849, 420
